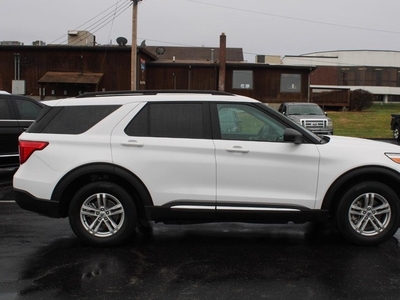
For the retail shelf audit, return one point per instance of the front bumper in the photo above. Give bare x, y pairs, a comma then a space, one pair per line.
41, 206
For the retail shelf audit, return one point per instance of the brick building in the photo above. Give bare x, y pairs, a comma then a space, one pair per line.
375, 71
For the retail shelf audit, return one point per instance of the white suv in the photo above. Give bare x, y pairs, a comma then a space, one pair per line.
110, 160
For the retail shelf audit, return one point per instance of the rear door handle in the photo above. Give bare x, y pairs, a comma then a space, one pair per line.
237, 149
132, 143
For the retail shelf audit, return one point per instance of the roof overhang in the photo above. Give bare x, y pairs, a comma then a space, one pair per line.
71, 78
230, 64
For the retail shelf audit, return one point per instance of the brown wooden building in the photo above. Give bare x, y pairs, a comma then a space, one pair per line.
51, 72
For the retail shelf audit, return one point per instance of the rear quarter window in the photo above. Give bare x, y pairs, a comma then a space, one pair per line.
70, 119
28, 110
4, 110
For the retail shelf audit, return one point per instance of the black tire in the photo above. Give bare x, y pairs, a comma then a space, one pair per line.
396, 133
102, 214
368, 213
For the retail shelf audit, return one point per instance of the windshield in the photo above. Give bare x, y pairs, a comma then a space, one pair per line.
305, 110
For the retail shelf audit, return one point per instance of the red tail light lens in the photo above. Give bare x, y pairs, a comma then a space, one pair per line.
26, 148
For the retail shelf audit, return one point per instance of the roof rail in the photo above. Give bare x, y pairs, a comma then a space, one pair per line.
150, 92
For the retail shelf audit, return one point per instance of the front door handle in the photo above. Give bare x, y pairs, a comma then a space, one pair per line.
236, 149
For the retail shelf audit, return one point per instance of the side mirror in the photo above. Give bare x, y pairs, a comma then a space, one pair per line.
292, 135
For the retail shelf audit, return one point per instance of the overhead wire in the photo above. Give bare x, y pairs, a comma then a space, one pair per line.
102, 19
293, 18
296, 19
111, 13
113, 19
109, 35
165, 42
109, 19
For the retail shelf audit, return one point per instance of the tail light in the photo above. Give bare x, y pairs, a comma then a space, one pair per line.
26, 148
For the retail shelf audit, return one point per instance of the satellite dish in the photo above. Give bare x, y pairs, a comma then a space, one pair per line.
143, 44
160, 50
122, 41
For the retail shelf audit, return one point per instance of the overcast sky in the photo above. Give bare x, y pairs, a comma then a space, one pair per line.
268, 27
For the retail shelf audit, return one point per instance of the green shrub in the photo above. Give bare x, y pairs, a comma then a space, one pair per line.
361, 100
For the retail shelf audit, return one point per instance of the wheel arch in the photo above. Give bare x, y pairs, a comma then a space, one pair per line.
370, 173
77, 178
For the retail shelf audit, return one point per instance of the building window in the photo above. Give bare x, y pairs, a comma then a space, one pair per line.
343, 76
398, 78
290, 83
378, 77
242, 80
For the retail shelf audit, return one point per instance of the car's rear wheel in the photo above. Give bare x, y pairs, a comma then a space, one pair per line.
102, 214
368, 213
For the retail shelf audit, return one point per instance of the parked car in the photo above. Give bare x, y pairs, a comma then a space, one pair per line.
309, 115
16, 114
110, 160
395, 126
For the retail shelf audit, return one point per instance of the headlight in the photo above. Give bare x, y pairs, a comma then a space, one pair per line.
329, 124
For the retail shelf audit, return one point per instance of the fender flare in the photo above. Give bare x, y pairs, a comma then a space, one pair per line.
376, 173
127, 178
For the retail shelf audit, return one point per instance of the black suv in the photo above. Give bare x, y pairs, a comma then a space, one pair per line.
16, 114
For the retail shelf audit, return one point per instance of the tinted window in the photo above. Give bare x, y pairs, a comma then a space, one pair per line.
4, 111
28, 110
175, 120
70, 119
245, 122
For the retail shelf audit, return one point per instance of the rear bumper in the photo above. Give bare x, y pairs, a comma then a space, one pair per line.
41, 206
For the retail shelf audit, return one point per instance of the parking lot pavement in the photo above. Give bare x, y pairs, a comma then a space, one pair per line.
6, 191
42, 259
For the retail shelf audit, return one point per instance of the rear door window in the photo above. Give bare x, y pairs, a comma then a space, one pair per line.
173, 120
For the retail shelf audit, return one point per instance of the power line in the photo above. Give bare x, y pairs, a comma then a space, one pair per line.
114, 16
296, 19
107, 16
109, 19
165, 42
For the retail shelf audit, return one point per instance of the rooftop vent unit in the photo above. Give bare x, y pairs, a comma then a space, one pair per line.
268, 59
73, 32
81, 38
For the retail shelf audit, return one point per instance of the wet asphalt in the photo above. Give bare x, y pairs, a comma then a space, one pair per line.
40, 258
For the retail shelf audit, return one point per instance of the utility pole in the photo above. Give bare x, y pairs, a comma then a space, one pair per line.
134, 46
222, 62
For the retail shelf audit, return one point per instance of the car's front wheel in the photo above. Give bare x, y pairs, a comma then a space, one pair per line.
102, 214
396, 133
368, 213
